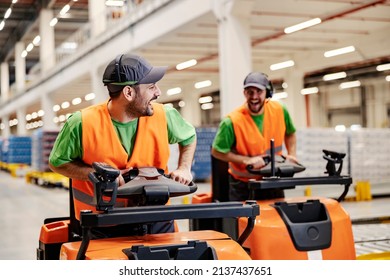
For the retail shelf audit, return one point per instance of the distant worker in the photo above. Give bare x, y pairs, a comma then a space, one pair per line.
128, 130
244, 136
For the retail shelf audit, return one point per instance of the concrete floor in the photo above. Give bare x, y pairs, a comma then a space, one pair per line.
25, 206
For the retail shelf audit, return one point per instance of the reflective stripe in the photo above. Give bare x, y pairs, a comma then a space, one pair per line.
314, 255
87, 199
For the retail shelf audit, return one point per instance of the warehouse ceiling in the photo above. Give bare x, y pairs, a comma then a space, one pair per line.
365, 24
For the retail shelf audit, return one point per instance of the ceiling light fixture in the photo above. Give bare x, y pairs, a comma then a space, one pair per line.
205, 99
64, 10
339, 51
173, 91
186, 64
334, 76
89, 96
53, 22
302, 25
282, 65
310, 90
279, 95
8, 13
349, 84
202, 84
207, 106
113, 3
383, 67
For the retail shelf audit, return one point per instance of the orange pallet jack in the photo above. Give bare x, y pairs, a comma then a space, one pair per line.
298, 228
66, 238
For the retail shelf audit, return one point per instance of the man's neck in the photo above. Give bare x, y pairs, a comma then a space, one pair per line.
118, 112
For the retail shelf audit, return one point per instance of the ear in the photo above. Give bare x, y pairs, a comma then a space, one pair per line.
128, 93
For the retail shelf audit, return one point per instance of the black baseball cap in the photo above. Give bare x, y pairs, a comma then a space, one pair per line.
256, 79
131, 69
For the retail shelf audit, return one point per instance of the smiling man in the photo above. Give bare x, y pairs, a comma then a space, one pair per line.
128, 130
244, 136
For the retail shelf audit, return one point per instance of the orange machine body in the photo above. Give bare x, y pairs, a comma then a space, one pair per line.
111, 248
270, 238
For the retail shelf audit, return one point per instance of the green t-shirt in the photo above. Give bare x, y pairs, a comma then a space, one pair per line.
225, 138
68, 146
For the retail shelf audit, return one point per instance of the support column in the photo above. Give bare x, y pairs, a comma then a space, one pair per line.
47, 57
97, 17
47, 106
191, 111
21, 116
97, 86
295, 102
20, 68
4, 70
6, 131
235, 52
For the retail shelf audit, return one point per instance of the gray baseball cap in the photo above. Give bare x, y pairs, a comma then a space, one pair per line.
130, 69
256, 79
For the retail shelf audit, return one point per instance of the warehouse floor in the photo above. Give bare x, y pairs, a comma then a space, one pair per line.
25, 206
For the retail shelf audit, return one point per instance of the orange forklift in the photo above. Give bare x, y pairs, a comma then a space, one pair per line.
298, 228
66, 238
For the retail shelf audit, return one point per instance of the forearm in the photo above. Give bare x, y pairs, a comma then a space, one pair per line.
75, 170
229, 156
291, 144
186, 156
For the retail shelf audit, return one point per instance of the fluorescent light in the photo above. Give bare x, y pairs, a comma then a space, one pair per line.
349, 84
113, 3
76, 101
388, 78
8, 13
89, 96
30, 47
279, 95
205, 99
310, 90
282, 65
186, 64
355, 127
36, 40
203, 84
56, 108
207, 106
302, 25
340, 128
24, 53
53, 22
65, 105
334, 76
339, 51
173, 91
64, 10
2, 25
383, 67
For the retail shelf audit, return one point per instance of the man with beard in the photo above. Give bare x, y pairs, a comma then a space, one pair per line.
244, 136
128, 130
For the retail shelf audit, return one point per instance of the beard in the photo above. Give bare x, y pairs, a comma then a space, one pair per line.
255, 108
139, 107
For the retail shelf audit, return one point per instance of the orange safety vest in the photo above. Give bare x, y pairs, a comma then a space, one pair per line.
101, 144
250, 141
